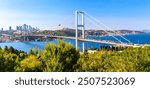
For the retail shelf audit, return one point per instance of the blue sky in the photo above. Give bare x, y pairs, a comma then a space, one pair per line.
47, 14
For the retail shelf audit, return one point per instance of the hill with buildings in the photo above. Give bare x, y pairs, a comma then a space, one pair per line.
13, 35
90, 32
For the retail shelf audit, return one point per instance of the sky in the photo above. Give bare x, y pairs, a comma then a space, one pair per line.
48, 14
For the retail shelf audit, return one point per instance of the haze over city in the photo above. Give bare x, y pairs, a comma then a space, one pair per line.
48, 14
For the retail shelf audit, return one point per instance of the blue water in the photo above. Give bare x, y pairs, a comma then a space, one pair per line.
26, 46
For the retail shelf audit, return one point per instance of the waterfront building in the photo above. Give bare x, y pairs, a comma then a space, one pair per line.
1, 29
10, 28
6, 38
18, 27
24, 26
30, 28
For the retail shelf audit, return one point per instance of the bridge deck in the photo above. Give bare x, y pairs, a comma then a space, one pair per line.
95, 41
91, 40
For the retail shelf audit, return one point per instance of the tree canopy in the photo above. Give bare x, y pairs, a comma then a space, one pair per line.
63, 57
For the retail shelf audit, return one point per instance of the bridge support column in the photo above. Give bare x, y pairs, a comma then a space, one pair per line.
76, 26
81, 25
83, 28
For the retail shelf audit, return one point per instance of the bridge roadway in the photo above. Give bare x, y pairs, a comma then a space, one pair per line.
88, 40
95, 41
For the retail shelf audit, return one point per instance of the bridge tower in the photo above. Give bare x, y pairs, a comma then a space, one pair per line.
79, 16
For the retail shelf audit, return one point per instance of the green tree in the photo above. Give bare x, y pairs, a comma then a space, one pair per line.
30, 64
60, 58
8, 62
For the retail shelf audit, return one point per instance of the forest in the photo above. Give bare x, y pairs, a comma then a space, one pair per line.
63, 57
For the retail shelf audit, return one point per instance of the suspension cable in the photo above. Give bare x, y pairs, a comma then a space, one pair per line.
103, 30
106, 27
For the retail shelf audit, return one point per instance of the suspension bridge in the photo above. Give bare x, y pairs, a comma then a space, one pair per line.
80, 25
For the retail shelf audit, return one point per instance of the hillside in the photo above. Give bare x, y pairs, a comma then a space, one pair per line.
71, 32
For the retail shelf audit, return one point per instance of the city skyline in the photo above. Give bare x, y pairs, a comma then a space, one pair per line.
20, 27
48, 14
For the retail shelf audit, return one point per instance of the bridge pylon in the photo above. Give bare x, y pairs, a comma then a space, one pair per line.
79, 16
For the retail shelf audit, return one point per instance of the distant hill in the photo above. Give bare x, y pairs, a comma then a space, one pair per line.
146, 31
130, 32
71, 32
